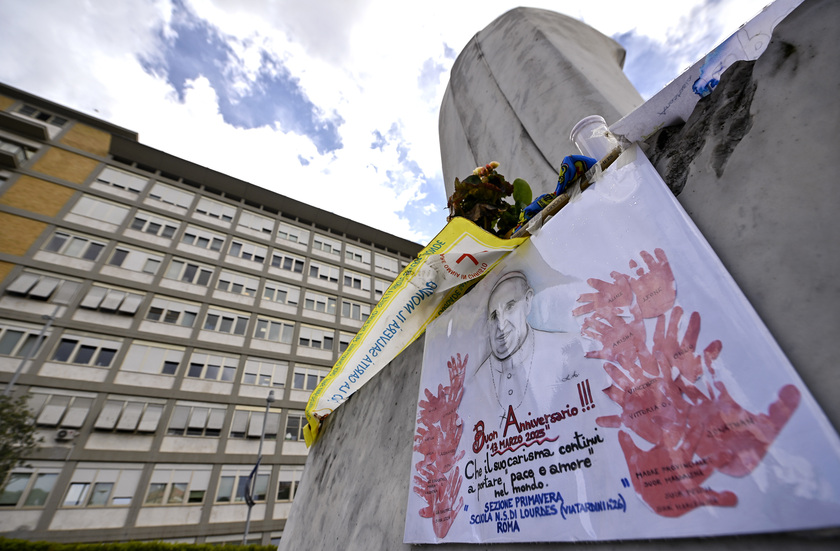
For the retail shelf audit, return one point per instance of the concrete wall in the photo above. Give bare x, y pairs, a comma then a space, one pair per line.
519, 87
764, 193
757, 164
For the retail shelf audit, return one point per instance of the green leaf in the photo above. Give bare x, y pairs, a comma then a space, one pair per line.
522, 192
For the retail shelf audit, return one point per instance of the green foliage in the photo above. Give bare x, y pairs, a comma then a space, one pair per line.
26, 545
17, 434
522, 193
482, 198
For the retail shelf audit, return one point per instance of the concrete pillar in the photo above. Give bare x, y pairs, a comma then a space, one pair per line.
519, 87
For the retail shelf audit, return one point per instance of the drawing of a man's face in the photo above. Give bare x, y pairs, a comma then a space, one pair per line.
507, 310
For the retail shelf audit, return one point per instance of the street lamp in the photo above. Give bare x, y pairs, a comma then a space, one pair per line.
252, 484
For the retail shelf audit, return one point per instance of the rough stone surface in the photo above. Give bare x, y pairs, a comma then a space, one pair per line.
721, 119
756, 164
354, 490
519, 87
762, 190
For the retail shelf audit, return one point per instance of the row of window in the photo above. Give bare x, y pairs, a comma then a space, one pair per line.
189, 271
34, 113
128, 185
213, 212
136, 415
19, 341
93, 485
165, 310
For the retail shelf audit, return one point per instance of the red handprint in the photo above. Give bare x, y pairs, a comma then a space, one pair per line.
609, 295
439, 430
655, 289
652, 407
617, 336
693, 432
669, 480
736, 439
671, 352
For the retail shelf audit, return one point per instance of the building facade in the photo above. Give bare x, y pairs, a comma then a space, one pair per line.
150, 305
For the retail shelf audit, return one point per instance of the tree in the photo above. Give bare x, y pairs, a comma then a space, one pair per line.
17, 434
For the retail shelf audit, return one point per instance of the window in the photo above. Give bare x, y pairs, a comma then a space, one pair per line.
172, 311
135, 260
28, 487
214, 367
281, 293
20, 341
215, 209
43, 287
234, 482
248, 424
121, 179
178, 485
352, 280
292, 233
354, 310
154, 225
289, 477
100, 210
74, 246
323, 272
156, 359
100, 494
86, 351
307, 377
94, 486
55, 409
111, 301
344, 341
315, 337
247, 251
76, 494
286, 261
356, 254
263, 372
197, 420
319, 303
256, 222
295, 421
14, 154
225, 322
129, 415
39, 115
274, 330
387, 263
379, 288
203, 239
171, 196
237, 284
326, 244
189, 272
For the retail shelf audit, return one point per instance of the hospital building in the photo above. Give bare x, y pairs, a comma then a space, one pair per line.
149, 306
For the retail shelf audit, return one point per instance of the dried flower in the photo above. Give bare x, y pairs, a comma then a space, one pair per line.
481, 198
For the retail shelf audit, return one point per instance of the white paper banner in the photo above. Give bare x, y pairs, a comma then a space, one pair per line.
608, 380
675, 102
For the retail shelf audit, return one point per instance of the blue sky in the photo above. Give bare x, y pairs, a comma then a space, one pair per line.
332, 102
